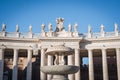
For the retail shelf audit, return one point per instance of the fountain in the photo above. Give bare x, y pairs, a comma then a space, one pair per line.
59, 70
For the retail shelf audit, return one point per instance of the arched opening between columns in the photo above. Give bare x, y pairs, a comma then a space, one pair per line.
84, 65
8, 64
97, 61
112, 64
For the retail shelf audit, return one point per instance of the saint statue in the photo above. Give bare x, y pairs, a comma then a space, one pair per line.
60, 26
75, 27
116, 27
50, 27
102, 28
3, 27
43, 28
17, 28
89, 29
69, 28
30, 28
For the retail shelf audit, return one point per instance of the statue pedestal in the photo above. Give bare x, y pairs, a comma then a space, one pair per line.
43, 34
69, 34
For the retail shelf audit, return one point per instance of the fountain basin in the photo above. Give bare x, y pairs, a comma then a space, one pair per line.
60, 69
59, 49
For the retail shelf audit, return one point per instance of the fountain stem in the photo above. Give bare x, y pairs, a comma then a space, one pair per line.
59, 59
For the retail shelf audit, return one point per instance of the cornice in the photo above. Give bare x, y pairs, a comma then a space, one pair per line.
69, 39
102, 39
19, 39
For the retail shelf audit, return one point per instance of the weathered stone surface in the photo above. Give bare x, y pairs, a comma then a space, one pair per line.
60, 69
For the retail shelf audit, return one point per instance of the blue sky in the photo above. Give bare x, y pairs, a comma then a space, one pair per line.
36, 12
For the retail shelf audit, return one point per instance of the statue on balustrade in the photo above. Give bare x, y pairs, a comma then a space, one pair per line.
60, 26
3, 27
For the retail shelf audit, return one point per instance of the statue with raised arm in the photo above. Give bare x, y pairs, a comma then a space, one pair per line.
60, 26
3, 27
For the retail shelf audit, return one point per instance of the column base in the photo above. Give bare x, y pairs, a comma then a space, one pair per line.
59, 77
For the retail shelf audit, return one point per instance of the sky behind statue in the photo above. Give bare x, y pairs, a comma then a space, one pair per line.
36, 12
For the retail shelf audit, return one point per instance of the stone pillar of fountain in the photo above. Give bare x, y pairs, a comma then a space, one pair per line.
59, 70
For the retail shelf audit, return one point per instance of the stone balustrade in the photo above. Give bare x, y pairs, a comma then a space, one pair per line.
54, 34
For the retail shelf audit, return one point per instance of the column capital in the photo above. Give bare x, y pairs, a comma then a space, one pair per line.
2, 46
43, 48
16, 49
118, 49
90, 49
77, 49
30, 49
103, 49
2, 49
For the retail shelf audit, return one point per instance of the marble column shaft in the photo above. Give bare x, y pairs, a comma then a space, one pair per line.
29, 65
70, 62
1, 63
118, 62
91, 65
15, 65
77, 63
43, 76
50, 62
104, 64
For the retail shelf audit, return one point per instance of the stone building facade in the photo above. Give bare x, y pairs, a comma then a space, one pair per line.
22, 54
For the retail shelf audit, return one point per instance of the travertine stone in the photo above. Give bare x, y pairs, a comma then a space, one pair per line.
29, 65
60, 69
43, 76
102, 31
70, 62
116, 29
77, 63
3, 27
15, 65
17, 28
91, 65
50, 62
1, 63
89, 32
74, 40
118, 62
104, 64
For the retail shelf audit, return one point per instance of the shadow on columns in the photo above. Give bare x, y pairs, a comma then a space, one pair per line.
7, 75
35, 70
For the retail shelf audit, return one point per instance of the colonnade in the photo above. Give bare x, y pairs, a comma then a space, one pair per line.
75, 76
15, 64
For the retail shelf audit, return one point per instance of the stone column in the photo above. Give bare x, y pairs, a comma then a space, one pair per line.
91, 65
50, 62
104, 64
70, 62
77, 63
15, 65
1, 63
29, 65
43, 75
118, 62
